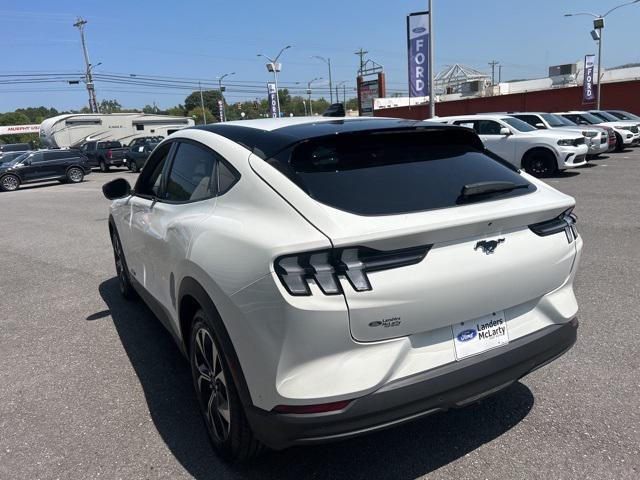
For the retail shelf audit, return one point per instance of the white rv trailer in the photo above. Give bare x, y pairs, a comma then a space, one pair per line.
72, 130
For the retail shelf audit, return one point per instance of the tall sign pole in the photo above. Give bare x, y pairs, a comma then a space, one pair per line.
432, 104
598, 24
88, 80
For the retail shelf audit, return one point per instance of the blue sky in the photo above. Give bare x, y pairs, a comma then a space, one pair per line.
203, 39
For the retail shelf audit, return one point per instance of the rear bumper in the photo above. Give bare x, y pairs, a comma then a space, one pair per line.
449, 386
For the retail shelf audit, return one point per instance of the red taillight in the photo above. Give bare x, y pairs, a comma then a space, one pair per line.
109, 154
304, 409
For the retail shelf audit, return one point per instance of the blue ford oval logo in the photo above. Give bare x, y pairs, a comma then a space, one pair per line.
419, 30
466, 335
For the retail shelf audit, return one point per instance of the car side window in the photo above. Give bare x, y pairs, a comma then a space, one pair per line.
487, 127
191, 176
530, 119
37, 157
227, 177
150, 181
54, 155
466, 123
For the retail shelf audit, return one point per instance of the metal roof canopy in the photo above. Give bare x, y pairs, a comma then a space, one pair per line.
454, 76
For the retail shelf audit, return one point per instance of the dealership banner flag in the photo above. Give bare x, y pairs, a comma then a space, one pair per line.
418, 49
273, 100
588, 89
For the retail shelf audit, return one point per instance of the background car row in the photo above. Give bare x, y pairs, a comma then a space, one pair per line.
544, 143
19, 164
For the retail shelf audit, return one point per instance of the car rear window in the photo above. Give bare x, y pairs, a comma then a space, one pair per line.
393, 173
109, 145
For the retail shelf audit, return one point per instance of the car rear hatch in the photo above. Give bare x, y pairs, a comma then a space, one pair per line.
427, 229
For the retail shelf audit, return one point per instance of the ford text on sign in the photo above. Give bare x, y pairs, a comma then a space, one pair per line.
418, 43
273, 100
588, 90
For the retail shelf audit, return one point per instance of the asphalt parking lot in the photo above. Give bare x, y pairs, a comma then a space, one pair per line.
91, 386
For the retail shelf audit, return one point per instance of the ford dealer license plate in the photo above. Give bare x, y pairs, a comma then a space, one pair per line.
479, 335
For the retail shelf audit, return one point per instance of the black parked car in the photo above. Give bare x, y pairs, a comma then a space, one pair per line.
39, 166
8, 156
104, 154
14, 147
136, 157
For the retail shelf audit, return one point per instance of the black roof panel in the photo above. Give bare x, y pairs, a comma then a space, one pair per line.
266, 143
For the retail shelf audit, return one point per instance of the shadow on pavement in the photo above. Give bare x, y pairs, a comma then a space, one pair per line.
563, 174
406, 451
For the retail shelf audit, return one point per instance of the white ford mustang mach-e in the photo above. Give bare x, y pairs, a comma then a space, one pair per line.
330, 277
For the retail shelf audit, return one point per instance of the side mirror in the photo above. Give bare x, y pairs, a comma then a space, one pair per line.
505, 131
118, 188
540, 126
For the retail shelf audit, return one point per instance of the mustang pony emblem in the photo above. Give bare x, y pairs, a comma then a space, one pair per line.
488, 246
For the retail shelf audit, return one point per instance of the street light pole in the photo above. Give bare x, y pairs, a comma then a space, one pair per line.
309, 93
328, 62
599, 68
204, 114
221, 88
598, 26
275, 67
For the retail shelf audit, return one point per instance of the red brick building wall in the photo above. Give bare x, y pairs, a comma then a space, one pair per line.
619, 95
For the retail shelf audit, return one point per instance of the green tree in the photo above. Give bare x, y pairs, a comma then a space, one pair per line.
178, 110
198, 116
210, 100
110, 106
150, 109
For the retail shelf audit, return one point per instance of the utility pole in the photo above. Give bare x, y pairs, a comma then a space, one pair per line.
499, 73
88, 77
204, 114
493, 64
361, 53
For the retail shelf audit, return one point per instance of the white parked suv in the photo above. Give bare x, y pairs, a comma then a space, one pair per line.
596, 137
627, 133
539, 152
328, 278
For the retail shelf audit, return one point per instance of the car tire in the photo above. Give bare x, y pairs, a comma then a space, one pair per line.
124, 281
227, 426
9, 183
75, 175
619, 143
103, 166
134, 167
540, 163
